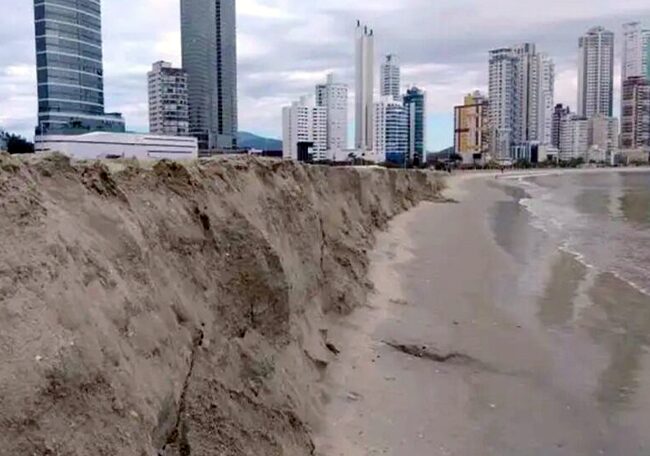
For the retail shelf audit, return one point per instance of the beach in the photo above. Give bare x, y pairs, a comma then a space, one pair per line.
489, 332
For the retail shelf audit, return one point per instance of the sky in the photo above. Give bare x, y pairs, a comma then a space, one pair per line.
285, 47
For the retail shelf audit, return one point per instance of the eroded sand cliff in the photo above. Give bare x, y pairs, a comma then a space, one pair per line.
179, 310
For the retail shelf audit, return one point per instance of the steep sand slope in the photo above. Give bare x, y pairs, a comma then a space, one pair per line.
178, 310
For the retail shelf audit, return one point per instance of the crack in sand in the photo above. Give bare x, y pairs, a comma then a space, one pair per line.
423, 352
177, 438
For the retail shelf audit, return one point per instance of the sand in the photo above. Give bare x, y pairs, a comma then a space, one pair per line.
476, 343
179, 309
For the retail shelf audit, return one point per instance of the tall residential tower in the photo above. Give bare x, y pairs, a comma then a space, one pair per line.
209, 48
390, 77
365, 64
634, 55
521, 93
333, 96
70, 71
596, 73
168, 111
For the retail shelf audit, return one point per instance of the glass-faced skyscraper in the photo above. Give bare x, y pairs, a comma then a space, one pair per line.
415, 104
208, 30
69, 68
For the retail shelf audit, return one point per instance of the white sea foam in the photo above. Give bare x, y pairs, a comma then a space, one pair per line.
599, 241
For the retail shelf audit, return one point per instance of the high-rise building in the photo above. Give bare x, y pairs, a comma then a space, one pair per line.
304, 131
70, 71
603, 138
522, 84
645, 37
333, 96
390, 77
559, 114
542, 125
416, 109
633, 51
471, 132
504, 101
596, 73
574, 138
365, 64
168, 106
209, 49
391, 130
635, 116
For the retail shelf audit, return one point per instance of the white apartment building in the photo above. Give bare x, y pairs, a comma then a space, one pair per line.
596, 73
603, 138
390, 75
503, 96
633, 52
304, 131
168, 101
543, 124
333, 97
521, 93
391, 130
364, 69
574, 138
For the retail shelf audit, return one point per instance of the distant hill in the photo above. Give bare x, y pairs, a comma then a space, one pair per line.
444, 153
247, 140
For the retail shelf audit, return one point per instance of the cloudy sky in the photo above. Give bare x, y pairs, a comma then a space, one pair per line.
286, 46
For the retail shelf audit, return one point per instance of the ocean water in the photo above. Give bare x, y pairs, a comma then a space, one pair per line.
601, 218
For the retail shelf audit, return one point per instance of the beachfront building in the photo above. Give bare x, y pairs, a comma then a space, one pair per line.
596, 73
503, 96
521, 94
635, 115
471, 132
544, 87
70, 73
209, 52
603, 138
560, 112
304, 131
634, 61
364, 94
391, 131
415, 103
574, 138
390, 76
333, 96
645, 37
168, 104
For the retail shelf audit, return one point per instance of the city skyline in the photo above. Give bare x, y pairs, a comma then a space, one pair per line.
276, 68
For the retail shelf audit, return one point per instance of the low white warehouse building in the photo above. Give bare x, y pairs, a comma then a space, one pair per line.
97, 145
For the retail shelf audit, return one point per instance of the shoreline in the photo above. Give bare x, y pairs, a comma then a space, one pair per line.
474, 347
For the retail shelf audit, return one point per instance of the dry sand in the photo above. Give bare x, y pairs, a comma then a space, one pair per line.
458, 351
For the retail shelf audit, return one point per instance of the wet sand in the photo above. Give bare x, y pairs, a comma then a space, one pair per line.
505, 344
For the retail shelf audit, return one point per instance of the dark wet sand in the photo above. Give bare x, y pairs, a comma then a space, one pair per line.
553, 357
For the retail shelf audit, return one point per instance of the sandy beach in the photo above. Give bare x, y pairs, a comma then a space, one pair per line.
484, 338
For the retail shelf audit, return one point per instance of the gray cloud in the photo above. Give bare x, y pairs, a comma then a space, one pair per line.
286, 46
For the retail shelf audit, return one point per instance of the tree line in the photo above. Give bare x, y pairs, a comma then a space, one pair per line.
16, 144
